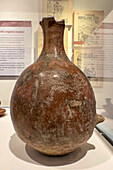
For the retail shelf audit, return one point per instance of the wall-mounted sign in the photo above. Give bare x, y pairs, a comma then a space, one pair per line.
87, 43
84, 24
15, 47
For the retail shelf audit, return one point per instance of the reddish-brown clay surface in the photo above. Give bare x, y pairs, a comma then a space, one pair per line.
53, 106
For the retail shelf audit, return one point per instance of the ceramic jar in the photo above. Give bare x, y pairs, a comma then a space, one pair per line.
53, 106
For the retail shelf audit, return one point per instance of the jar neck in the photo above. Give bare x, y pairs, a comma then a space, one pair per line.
53, 33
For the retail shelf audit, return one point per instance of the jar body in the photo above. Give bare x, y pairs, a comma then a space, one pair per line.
53, 107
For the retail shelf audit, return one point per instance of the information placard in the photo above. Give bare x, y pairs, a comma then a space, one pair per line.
88, 44
15, 47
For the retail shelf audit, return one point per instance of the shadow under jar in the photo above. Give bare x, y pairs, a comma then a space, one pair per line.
53, 107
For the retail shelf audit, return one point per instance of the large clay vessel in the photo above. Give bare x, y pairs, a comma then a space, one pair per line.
53, 107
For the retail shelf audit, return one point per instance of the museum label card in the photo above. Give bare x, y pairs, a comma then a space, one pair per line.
15, 47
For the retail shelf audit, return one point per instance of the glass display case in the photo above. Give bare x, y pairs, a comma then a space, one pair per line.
88, 42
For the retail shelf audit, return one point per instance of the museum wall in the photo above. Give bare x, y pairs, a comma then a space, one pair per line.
31, 10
